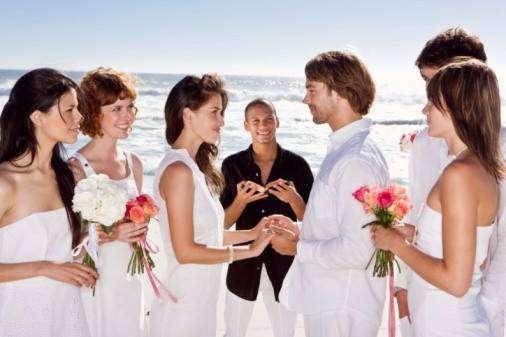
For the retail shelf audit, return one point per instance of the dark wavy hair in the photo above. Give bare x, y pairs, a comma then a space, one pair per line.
39, 89
468, 91
446, 45
193, 92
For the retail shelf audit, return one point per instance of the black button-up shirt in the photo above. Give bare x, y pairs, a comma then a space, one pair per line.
243, 277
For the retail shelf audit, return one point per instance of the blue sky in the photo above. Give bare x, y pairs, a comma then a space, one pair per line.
274, 37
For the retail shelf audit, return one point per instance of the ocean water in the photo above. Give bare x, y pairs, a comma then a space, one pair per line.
396, 110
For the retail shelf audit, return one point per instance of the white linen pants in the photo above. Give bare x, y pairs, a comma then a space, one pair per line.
238, 312
339, 324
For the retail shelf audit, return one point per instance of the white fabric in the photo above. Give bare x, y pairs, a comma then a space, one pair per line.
406, 327
339, 324
196, 286
435, 312
117, 309
328, 272
39, 306
238, 312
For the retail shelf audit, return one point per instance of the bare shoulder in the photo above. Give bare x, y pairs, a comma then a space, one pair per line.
76, 168
177, 172
466, 175
178, 178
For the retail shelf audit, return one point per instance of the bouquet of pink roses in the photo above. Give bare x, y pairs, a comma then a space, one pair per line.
140, 210
389, 205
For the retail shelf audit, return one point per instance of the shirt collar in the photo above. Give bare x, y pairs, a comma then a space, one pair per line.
339, 137
280, 156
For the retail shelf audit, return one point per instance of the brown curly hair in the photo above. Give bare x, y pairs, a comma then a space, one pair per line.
102, 86
193, 92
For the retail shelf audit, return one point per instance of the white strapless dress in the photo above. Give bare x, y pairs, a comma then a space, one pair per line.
117, 309
39, 306
196, 286
434, 312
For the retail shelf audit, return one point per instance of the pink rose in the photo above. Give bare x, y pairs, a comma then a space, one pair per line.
136, 214
142, 198
385, 198
401, 209
150, 209
359, 194
371, 197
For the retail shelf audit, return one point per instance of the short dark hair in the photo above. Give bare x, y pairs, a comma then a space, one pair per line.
346, 74
260, 102
442, 48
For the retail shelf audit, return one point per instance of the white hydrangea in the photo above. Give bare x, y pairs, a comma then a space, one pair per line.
99, 199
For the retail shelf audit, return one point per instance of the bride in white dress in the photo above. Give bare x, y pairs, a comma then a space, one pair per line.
455, 225
117, 309
186, 188
39, 283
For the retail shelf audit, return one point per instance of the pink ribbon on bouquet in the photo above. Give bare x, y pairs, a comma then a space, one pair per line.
391, 307
156, 284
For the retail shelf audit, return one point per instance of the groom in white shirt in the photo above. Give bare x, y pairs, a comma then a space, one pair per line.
328, 281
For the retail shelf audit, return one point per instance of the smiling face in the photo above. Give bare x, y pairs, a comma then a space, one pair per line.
207, 121
261, 123
61, 122
117, 118
321, 101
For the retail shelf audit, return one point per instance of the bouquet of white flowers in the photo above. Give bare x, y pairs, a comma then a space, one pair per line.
99, 201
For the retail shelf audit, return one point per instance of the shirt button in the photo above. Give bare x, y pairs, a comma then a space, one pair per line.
263, 211
256, 174
258, 268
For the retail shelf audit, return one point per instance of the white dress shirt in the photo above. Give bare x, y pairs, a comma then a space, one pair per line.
429, 156
328, 272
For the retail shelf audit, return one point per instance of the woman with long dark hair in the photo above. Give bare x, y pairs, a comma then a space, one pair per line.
186, 188
455, 224
39, 283
108, 109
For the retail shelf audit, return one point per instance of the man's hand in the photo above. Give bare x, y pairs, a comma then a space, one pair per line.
287, 235
284, 190
249, 191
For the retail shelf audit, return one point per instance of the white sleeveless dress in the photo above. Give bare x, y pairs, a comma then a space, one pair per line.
435, 312
117, 309
196, 286
39, 306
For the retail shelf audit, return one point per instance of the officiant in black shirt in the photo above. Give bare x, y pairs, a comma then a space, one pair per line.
262, 180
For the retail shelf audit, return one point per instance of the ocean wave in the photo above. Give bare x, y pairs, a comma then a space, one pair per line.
400, 122
5, 91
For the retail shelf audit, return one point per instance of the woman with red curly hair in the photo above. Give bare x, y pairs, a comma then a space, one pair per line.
109, 111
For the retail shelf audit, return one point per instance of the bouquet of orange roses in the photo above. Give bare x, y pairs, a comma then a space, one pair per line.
140, 210
389, 205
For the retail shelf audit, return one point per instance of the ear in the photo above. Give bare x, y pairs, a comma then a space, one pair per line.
277, 121
246, 126
187, 115
36, 117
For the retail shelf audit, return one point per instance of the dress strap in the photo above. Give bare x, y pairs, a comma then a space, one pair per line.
88, 170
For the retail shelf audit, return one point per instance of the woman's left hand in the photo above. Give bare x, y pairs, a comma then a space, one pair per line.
384, 238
